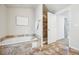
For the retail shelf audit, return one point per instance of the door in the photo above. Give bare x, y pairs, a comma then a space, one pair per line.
52, 33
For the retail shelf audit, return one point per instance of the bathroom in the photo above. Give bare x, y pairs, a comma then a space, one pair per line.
20, 26
39, 29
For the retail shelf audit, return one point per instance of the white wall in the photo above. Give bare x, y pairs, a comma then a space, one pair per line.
15, 30
60, 26
73, 25
3, 20
74, 29
39, 18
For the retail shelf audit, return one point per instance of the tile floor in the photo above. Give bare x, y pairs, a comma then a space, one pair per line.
25, 48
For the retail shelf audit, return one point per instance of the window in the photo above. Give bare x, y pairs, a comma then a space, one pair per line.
21, 20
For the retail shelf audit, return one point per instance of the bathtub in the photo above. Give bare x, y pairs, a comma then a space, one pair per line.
15, 40
19, 45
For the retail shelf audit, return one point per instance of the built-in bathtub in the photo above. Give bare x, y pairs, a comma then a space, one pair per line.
16, 40
18, 45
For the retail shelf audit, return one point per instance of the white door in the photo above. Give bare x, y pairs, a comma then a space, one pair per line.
52, 33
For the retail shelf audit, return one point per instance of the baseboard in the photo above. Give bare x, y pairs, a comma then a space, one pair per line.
74, 48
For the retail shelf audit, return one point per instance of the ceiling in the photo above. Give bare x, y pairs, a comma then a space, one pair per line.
22, 5
51, 7
56, 7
